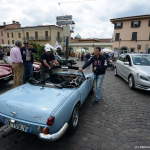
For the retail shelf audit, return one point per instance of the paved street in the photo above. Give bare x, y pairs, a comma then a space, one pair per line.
122, 122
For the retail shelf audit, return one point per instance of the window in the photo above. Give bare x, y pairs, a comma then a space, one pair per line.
58, 35
117, 37
149, 36
46, 34
135, 24
149, 23
134, 36
7, 35
13, 42
27, 35
2, 41
12, 35
118, 25
132, 50
1, 33
19, 35
36, 35
8, 42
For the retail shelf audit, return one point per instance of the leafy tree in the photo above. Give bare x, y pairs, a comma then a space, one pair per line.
34, 44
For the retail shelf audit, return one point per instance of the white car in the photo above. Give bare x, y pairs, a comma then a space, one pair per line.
135, 69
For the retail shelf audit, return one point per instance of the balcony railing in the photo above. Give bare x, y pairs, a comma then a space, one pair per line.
40, 38
59, 39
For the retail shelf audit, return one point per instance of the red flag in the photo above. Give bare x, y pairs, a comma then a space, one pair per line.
131, 38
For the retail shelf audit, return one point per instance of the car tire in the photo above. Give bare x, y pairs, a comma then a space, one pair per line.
73, 122
69, 64
115, 72
131, 82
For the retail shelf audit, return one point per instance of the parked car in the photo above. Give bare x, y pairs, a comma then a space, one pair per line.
47, 108
135, 69
36, 65
62, 61
5, 74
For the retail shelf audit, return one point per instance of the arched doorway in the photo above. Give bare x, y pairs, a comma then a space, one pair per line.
123, 50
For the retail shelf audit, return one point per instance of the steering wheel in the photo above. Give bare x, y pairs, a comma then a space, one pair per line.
73, 80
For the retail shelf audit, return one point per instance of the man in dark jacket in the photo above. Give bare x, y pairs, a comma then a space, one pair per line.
27, 56
99, 66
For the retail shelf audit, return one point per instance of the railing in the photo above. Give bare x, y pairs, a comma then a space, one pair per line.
36, 38
59, 39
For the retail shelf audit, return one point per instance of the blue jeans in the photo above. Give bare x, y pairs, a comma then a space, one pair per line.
98, 81
27, 68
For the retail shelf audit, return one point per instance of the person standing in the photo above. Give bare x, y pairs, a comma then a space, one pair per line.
27, 56
47, 58
17, 63
87, 57
99, 66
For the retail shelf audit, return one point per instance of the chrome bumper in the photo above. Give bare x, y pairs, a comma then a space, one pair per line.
55, 136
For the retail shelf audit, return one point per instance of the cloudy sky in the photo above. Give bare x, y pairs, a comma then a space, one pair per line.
91, 17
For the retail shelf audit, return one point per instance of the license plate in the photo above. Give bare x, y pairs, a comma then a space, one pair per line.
16, 125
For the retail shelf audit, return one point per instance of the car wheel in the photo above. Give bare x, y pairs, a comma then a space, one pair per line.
69, 64
115, 72
73, 122
131, 82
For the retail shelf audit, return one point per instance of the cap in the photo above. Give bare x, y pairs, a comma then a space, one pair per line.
25, 42
47, 49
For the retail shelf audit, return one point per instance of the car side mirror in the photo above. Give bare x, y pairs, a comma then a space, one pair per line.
126, 63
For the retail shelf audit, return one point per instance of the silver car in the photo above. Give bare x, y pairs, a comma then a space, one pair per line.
135, 69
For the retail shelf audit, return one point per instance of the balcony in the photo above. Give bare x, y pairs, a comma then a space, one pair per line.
40, 38
59, 39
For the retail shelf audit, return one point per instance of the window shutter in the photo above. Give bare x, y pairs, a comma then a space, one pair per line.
134, 34
132, 24
139, 23
117, 36
115, 25
149, 23
121, 25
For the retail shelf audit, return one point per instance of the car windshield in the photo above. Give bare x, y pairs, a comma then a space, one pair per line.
7, 59
61, 77
141, 60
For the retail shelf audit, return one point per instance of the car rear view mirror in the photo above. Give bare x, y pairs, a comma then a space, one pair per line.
126, 63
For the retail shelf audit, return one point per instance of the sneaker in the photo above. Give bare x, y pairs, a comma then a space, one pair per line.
95, 102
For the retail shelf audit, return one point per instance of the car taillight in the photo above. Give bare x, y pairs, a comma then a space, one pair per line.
50, 120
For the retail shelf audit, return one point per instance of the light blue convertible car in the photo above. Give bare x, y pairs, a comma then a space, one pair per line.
49, 107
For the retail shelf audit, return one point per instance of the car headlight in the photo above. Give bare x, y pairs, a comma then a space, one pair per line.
142, 76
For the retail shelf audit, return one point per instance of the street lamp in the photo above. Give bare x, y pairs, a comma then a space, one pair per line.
119, 45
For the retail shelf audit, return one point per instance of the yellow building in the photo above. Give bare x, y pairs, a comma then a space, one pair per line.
42, 34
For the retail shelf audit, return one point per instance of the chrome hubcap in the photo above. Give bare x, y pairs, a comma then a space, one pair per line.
130, 82
75, 116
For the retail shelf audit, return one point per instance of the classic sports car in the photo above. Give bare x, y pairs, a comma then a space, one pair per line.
5, 74
36, 65
135, 69
62, 61
48, 107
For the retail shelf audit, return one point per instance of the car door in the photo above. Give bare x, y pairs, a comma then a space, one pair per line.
119, 65
126, 69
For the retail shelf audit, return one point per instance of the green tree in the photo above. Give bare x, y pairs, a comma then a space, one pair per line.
34, 44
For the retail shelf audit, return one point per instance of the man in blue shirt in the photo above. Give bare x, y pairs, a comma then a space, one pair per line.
47, 58
27, 56
99, 66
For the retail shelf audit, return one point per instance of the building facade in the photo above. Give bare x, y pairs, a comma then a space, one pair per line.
39, 34
3, 34
131, 34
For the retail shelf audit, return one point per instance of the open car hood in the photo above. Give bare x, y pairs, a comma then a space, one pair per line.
31, 103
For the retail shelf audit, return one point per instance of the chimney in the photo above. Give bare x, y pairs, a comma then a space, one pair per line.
17, 23
13, 22
4, 23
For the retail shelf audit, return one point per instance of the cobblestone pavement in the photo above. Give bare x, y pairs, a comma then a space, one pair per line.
121, 122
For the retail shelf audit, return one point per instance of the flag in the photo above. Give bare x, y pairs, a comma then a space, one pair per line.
131, 38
